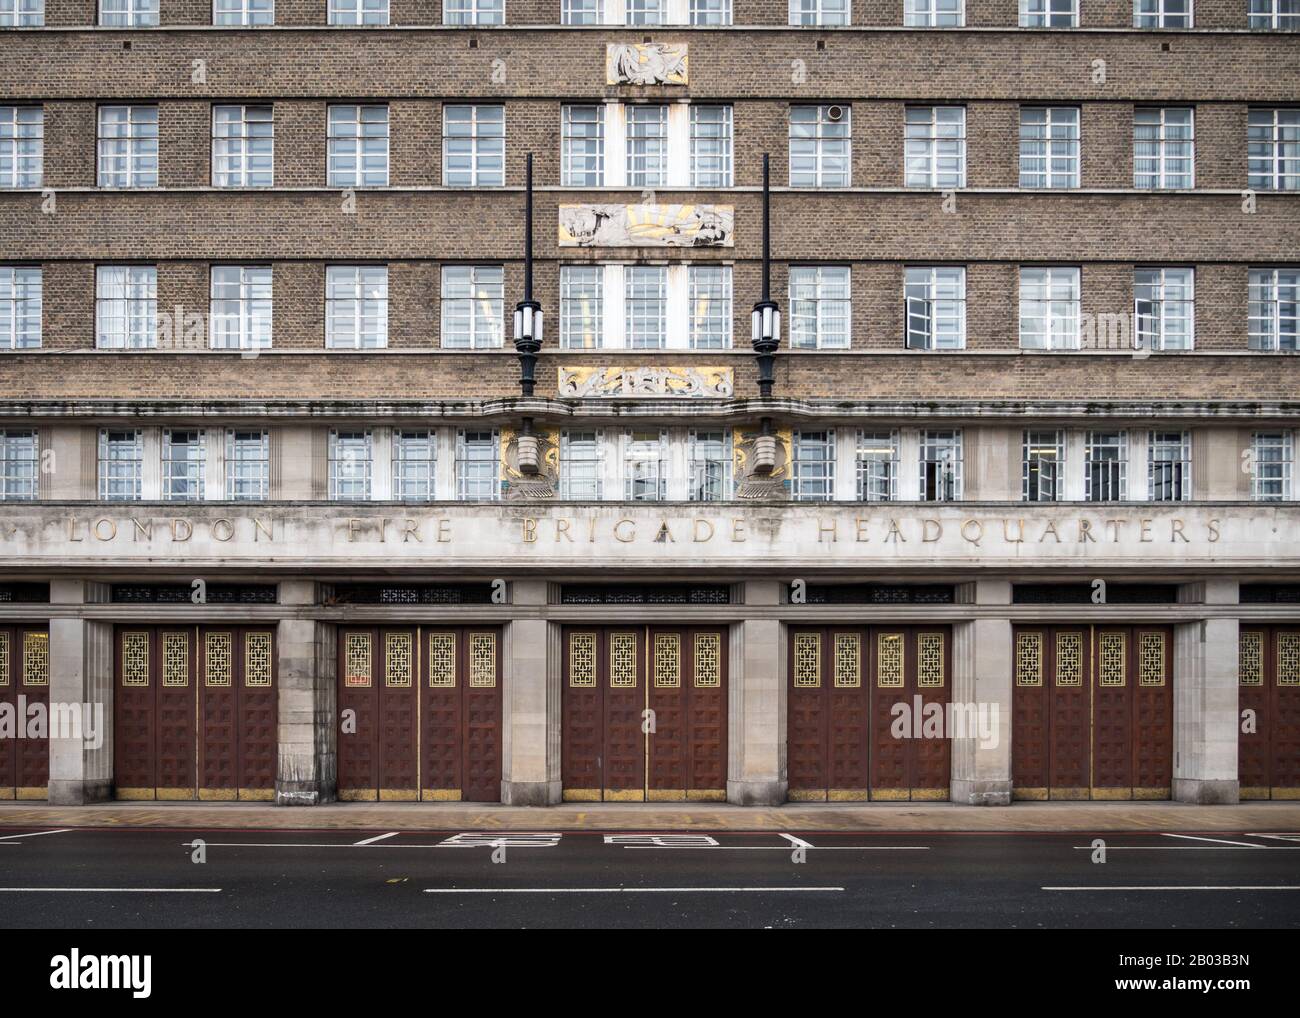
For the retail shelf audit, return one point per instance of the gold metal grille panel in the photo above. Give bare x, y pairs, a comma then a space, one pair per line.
1029, 659
1151, 659
357, 660
36, 659
176, 659
848, 660
582, 660
1111, 660
929, 660
889, 660
135, 659
442, 660
708, 660
668, 661
257, 660
1288, 659
1250, 665
1069, 659
397, 660
4, 659
216, 658
622, 660
807, 660
482, 660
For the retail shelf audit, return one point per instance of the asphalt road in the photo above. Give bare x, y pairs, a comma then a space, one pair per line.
92, 879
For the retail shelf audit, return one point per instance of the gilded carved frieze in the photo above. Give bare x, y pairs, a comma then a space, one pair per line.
691, 382
773, 486
606, 225
518, 485
648, 63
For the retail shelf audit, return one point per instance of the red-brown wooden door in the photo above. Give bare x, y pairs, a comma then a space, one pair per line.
1268, 746
155, 708
460, 714
24, 712
1050, 725
687, 727
238, 741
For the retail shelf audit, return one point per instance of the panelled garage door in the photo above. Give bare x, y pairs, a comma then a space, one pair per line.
24, 684
419, 713
1268, 757
859, 699
1092, 713
195, 711
645, 714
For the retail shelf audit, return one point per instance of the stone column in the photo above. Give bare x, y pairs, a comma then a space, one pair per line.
1206, 723
531, 715
81, 675
756, 704
307, 770
981, 684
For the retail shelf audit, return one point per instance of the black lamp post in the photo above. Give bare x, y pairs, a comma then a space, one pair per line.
528, 312
766, 315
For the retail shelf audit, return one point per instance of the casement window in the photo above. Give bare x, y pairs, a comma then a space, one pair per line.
22, 13
349, 466
243, 146
1049, 146
358, 12
1049, 308
936, 307
709, 300
941, 466
244, 13
1274, 298
1042, 473
1164, 308
877, 463
1277, 15
582, 143
581, 466
581, 12
826, 13
1164, 147
645, 474
1049, 13
813, 477
477, 469
1162, 13
934, 146
22, 146
820, 307
240, 310
651, 145
128, 13
474, 146
248, 466
710, 12
473, 306
645, 307
356, 307
645, 12
1105, 476
20, 307
582, 307
934, 13
415, 466
709, 462
184, 460
821, 140
128, 146
474, 12
1273, 150
1273, 459
1169, 466
126, 307
358, 146
20, 456
710, 128
121, 465
647, 145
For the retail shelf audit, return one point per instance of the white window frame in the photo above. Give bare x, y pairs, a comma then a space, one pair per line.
700, 299
1270, 13
813, 480
473, 12
931, 450
1266, 323
354, 159
719, 133
927, 143
1162, 18
20, 465
647, 155
1165, 177
874, 484
1049, 150
244, 14
927, 14
1117, 484
699, 14
24, 124
422, 483
1044, 18
128, 13
482, 148
590, 441
1261, 444
180, 474
351, 465
136, 146
644, 465
697, 464
1058, 334
356, 307
243, 485
1283, 154
1165, 440
820, 148
1161, 307
21, 311
115, 469
135, 304
1032, 484
22, 13
574, 148
358, 13
584, 286
821, 13
921, 283
645, 288
240, 147
254, 313
570, 12
819, 319
464, 462
486, 284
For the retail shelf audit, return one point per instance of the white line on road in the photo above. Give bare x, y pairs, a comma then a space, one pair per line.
377, 837
1186, 887
35, 834
1184, 848
628, 890
1218, 841
796, 842
110, 890
787, 848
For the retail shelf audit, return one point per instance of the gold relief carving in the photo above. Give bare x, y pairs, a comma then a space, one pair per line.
582, 660
257, 660
36, 659
4, 659
929, 660
1029, 659
176, 659
848, 660
1111, 659
1288, 659
1069, 659
676, 380
773, 486
217, 657
519, 485
1151, 659
357, 661
649, 63
442, 660
668, 660
807, 660
646, 225
482, 660
708, 660
397, 659
135, 659
622, 660
1250, 666
889, 660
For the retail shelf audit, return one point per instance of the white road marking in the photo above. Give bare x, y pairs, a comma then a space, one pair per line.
1275, 837
500, 839
661, 840
1186, 887
1220, 841
35, 834
628, 890
110, 890
1184, 848
797, 842
377, 837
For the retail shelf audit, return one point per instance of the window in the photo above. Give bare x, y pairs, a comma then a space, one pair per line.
645, 307
244, 12
20, 307
128, 146
710, 12
1043, 469
415, 466
1275, 309
349, 466
358, 146
476, 466
248, 466
582, 130
814, 466
128, 13
820, 146
709, 298
645, 479
358, 12
1049, 309
1162, 13
1273, 150
474, 146
243, 146
819, 307
934, 13
647, 146
645, 12
934, 146
941, 466
580, 12
581, 466
710, 456
356, 307
936, 307
582, 306
183, 461
1275, 14
1049, 146
819, 12
710, 146
1169, 466
877, 462
22, 13
19, 466
1106, 460
241, 307
1272, 453
1164, 148
121, 466
473, 306
474, 12
1163, 309
22, 144
126, 307
1049, 13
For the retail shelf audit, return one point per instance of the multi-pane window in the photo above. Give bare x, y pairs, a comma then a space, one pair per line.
813, 478
248, 466
243, 146
936, 307
1049, 308
183, 462
1169, 466
473, 306
240, 309
358, 12
645, 12
349, 466
710, 128
22, 13
1274, 309
358, 146
1049, 13
1273, 150
20, 307
645, 307
22, 144
820, 307
647, 145
821, 141
819, 12
709, 455
1164, 147
476, 466
126, 307
582, 143
415, 465
19, 466
128, 13
474, 12
1164, 308
1105, 476
934, 146
128, 146
1273, 460
710, 12
934, 13
121, 465
1042, 472
941, 466
580, 12
581, 466
474, 146
877, 462
1281, 15
1049, 146
709, 297
1162, 13
645, 475
244, 12
356, 307
582, 306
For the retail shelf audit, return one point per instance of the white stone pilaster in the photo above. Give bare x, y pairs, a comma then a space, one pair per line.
531, 712
756, 705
